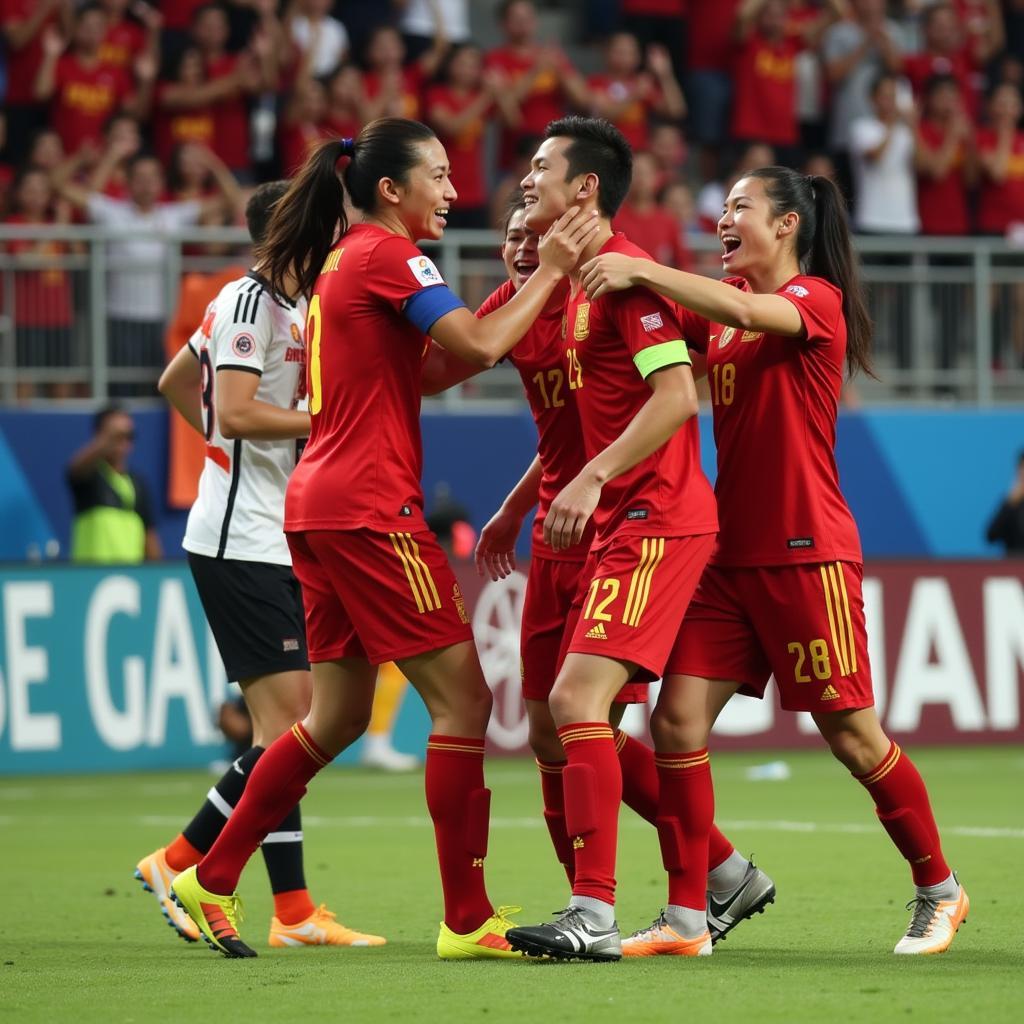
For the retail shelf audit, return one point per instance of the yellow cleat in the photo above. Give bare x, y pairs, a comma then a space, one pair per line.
661, 939
321, 928
156, 877
488, 942
217, 916
933, 924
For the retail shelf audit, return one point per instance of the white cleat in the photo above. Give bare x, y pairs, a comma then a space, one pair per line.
933, 924
378, 753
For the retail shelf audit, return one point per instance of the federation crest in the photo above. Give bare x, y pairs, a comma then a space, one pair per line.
728, 333
581, 328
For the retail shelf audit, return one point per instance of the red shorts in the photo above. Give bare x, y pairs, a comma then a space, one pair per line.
804, 623
634, 594
550, 610
379, 596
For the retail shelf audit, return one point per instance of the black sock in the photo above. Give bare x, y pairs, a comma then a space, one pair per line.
211, 818
282, 853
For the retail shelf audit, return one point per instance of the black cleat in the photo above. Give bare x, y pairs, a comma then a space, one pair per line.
569, 937
750, 897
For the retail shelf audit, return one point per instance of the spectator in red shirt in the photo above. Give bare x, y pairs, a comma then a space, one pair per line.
1001, 158
42, 288
185, 104
946, 52
946, 159
22, 23
647, 224
84, 90
764, 105
304, 125
458, 109
627, 94
391, 87
540, 79
345, 101
125, 38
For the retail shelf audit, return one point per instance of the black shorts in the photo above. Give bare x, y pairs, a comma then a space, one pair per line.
256, 615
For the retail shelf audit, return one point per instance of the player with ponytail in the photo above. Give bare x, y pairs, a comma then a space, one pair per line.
782, 592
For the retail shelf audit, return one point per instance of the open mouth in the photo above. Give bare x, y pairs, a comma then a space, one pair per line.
529, 200
730, 243
524, 268
441, 213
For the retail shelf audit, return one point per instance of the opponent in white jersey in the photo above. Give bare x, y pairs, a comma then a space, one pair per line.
239, 511
239, 382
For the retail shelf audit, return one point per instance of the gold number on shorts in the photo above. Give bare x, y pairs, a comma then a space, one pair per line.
611, 584
821, 664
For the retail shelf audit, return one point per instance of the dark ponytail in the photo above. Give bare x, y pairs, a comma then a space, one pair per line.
310, 216
306, 221
824, 248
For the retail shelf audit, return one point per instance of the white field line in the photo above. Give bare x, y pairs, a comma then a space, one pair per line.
417, 821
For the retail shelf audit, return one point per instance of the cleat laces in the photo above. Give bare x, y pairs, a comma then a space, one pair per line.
651, 931
503, 915
923, 917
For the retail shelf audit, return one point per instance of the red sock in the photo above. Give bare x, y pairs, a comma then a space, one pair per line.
554, 813
592, 783
902, 806
293, 907
686, 814
181, 854
459, 806
640, 791
276, 785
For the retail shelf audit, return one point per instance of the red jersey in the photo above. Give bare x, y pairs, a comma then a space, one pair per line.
539, 358
122, 44
610, 348
942, 202
710, 43
412, 89
362, 465
176, 127
656, 231
42, 295
1001, 203
297, 141
764, 106
230, 117
178, 13
541, 105
23, 64
634, 121
775, 402
465, 150
919, 67
85, 98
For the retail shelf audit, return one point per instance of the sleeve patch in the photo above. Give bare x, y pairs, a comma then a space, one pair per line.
424, 271
652, 322
668, 353
243, 345
798, 290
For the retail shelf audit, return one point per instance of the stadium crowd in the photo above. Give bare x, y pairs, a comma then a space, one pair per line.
159, 114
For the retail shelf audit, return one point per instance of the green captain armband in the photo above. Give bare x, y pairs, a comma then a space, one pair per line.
668, 353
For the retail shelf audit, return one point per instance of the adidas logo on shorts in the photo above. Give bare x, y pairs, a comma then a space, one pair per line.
598, 633
830, 693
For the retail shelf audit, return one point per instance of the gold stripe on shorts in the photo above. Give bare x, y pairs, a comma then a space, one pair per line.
826, 582
847, 617
655, 553
423, 590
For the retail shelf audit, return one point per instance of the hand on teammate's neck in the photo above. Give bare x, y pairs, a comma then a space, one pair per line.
600, 239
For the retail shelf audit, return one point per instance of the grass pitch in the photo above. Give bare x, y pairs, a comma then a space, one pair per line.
80, 941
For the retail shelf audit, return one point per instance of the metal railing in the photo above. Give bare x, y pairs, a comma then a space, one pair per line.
948, 313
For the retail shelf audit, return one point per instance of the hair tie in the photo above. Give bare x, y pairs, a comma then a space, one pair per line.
348, 147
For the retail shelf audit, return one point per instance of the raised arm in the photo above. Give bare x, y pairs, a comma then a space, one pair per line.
711, 299
20, 33
45, 84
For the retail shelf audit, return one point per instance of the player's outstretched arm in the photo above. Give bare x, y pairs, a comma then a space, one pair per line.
181, 384
443, 370
241, 414
715, 300
496, 549
673, 401
484, 340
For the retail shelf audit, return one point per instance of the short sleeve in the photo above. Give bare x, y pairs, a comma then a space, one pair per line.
104, 210
496, 299
183, 214
242, 331
195, 342
695, 329
400, 275
650, 329
819, 304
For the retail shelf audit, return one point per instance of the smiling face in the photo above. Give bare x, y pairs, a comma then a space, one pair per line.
753, 237
423, 200
519, 250
546, 193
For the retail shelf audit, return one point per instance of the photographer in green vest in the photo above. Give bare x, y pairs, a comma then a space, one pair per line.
113, 521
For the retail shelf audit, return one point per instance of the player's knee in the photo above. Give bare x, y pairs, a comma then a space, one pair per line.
545, 744
674, 728
852, 750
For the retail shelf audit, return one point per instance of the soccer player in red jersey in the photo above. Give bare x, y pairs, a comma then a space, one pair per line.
553, 600
375, 581
782, 594
654, 523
